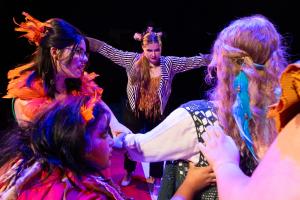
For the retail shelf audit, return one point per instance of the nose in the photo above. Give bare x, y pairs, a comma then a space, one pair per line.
84, 58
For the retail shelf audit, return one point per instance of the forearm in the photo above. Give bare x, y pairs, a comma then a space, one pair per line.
181, 64
122, 58
174, 138
232, 182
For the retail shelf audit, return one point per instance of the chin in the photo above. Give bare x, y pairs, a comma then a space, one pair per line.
155, 62
77, 75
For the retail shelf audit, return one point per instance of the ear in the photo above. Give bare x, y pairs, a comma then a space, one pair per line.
54, 52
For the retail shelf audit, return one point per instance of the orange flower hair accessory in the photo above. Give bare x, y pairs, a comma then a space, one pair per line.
35, 30
87, 109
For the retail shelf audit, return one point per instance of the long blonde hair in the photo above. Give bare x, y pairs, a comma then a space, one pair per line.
242, 45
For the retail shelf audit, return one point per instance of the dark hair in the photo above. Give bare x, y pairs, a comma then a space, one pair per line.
61, 136
14, 142
58, 137
60, 35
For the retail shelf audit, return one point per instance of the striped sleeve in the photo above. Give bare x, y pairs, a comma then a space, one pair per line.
123, 58
181, 64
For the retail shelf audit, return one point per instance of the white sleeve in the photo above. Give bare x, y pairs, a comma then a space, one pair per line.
174, 138
115, 126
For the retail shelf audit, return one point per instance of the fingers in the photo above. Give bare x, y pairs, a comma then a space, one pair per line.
215, 131
119, 140
207, 169
231, 140
212, 136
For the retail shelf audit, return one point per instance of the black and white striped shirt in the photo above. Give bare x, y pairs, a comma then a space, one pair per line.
170, 65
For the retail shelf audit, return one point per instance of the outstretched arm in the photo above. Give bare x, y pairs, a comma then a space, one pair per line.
181, 64
123, 58
174, 138
115, 126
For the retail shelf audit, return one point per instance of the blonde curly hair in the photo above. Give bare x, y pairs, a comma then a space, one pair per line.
244, 44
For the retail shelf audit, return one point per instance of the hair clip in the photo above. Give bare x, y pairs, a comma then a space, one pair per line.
138, 36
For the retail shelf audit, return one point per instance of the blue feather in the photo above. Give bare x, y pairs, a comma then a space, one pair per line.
241, 110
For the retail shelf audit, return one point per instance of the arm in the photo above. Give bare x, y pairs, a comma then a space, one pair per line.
181, 64
174, 138
196, 179
123, 58
276, 177
115, 126
278, 174
223, 154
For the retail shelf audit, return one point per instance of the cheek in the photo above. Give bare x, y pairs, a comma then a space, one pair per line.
146, 54
99, 153
74, 63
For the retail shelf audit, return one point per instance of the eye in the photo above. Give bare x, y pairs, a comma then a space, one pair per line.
81, 52
104, 135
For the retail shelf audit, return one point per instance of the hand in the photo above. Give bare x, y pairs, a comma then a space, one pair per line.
196, 179
199, 177
207, 58
118, 128
219, 148
119, 140
94, 44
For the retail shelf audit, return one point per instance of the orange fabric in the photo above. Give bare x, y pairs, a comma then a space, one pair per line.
18, 70
149, 100
35, 94
17, 86
288, 105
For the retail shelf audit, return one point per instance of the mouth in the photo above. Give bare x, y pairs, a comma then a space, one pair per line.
79, 71
81, 68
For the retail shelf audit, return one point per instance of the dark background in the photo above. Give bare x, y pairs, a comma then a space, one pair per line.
189, 27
